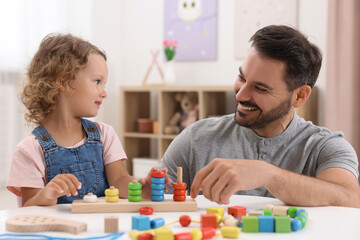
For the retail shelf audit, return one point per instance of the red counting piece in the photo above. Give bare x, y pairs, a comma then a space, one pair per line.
185, 220
179, 198
146, 210
157, 174
146, 236
179, 192
183, 236
208, 232
179, 186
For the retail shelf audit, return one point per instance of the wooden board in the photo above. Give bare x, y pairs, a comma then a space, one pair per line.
41, 223
123, 205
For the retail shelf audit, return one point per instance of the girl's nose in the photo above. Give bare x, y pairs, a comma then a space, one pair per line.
104, 94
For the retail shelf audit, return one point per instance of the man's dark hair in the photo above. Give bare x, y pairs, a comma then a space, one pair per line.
286, 44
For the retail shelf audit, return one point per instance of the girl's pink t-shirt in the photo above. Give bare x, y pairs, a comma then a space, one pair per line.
28, 166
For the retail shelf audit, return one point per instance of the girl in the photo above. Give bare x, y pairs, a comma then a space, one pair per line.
67, 156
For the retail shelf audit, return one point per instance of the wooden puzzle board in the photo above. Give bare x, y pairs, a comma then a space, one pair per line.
41, 223
123, 206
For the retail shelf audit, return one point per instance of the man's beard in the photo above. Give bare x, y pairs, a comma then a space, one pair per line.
263, 119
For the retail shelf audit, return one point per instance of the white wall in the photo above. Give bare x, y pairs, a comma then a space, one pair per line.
128, 29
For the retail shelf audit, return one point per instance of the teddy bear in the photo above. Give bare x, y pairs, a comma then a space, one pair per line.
186, 116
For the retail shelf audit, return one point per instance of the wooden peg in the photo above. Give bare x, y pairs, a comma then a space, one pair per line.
179, 175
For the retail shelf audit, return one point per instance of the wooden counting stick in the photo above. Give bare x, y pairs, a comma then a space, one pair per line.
41, 223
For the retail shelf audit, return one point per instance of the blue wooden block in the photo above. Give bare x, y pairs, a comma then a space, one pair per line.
266, 223
140, 222
159, 222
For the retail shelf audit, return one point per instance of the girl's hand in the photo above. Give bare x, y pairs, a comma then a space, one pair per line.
62, 184
146, 182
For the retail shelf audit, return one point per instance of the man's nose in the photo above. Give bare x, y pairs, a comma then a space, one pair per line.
244, 93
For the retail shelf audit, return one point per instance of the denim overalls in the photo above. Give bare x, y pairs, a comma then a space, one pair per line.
85, 161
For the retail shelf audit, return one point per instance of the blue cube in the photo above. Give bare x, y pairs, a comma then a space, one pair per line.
140, 222
266, 223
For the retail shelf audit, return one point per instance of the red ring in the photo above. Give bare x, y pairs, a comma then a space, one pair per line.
179, 198
179, 186
146, 210
179, 192
157, 174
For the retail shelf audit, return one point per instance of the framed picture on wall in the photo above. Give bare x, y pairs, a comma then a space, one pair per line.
193, 24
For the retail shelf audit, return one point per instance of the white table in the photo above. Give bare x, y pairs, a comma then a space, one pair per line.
338, 223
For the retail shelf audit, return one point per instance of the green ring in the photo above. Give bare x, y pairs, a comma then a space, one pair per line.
134, 192
134, 198
134, 186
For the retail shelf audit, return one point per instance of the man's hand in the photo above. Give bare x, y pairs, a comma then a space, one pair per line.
221, 178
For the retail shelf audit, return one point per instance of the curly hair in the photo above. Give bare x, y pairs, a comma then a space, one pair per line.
303, 59
54, 66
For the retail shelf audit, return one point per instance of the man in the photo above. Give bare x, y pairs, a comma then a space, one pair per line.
266, 149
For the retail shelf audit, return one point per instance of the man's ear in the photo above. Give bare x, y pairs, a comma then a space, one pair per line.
300, 95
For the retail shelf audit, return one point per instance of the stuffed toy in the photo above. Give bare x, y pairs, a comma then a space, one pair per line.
188, 114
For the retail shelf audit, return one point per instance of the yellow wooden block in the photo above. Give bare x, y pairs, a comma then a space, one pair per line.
230, 232
164, 234
196, 234
216, 210
134, 234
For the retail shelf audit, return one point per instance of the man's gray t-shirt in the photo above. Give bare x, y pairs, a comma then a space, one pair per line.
303, 148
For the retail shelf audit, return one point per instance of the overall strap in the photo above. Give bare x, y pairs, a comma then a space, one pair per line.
45, 139
91, 130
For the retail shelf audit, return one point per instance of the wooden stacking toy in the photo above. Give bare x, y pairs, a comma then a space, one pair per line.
134, 192
112, 195
179, 187
157, 186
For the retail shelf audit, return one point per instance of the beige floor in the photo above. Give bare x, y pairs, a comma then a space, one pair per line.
7, 200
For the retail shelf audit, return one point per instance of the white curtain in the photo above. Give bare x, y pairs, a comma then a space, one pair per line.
23, 24
11, 120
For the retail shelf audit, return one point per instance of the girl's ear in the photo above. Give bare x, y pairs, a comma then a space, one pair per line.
300, 95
